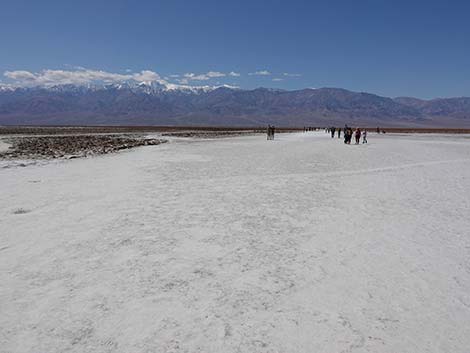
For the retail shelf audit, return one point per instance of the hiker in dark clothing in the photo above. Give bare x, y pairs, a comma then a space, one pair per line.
357, 135
332, 129
339, 133
350, 134
347, 138
346, 134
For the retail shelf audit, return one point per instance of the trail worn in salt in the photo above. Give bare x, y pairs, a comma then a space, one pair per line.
4, 146
301, 244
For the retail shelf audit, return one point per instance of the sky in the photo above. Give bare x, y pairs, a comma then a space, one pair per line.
391, 48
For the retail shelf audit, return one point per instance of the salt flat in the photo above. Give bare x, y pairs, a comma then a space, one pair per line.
301, 244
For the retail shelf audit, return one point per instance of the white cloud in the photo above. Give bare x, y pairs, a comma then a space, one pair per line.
76, 77
174, 76
146, 75
260, 73
203, 77
291, 75
20, 75
278, 79
234, 74
215, 74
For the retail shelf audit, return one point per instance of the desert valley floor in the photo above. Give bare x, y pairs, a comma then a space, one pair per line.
301, 244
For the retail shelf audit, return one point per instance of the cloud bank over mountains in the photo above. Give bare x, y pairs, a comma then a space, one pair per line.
84, 76
49, 78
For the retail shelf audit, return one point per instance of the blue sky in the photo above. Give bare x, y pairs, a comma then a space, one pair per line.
392, 48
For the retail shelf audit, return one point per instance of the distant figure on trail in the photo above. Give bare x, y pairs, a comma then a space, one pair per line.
339, 133
357, 135
270, 132
332, 129
364, 136
378, 130
348, 135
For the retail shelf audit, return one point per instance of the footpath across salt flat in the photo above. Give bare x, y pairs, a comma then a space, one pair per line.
301, 244
4, 146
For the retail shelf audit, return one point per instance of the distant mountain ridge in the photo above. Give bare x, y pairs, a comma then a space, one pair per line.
151, 103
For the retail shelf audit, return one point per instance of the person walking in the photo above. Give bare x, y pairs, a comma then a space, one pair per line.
364, 136
357, 135
332, 129
339, 133
348, 135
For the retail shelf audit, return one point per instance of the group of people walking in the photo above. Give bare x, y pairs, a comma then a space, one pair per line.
309, 128
348, 134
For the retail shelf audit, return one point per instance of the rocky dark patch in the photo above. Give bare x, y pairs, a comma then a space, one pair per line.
74, 146
21, 211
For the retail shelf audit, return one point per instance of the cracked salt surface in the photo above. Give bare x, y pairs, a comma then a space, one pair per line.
301, 244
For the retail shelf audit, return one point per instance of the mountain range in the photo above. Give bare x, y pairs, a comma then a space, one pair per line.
151, 103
